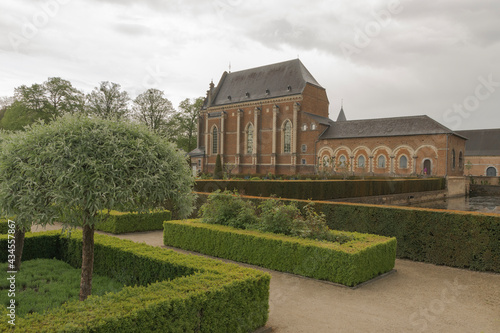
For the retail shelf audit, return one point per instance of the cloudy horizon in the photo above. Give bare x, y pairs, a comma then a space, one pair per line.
383, 58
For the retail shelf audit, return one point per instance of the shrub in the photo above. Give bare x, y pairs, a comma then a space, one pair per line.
173, 292
322, 189
228, 208
218, 173
362, 259
279, 218
122, 222
452, 238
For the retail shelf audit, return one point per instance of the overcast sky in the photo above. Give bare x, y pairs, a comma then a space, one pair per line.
383, 58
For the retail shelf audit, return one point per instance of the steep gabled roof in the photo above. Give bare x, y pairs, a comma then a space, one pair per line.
276, 80
319, 119
483, 142
398, 126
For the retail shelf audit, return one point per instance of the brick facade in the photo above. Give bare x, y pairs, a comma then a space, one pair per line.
274, 119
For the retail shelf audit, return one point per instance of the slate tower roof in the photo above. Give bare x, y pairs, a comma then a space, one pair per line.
276, 80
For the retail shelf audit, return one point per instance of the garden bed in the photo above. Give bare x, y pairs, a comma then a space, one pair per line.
350, 263
166, 291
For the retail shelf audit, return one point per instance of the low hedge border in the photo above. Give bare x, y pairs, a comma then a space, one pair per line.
123, 222
322, 189
4, 225
349, 264
442, 237
171, 292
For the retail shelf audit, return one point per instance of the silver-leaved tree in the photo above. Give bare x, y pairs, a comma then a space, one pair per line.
75, 167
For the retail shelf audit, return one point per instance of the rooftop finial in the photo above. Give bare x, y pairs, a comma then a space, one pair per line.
230, 67
342, 104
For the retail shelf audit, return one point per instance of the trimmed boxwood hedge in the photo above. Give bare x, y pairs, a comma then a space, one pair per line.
452, 238
168, 291
350, 263
4, 225
122, 222
322, 189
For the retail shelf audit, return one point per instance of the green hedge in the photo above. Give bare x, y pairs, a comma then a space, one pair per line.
322, 189
452, 238
350, 263
122, 222
4, 225
168, 291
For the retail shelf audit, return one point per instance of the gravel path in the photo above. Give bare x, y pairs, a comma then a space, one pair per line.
418, 297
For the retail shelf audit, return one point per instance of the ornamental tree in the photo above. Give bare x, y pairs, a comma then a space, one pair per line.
75, 167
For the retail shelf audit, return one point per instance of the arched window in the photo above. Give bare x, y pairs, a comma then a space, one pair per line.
361, 161
287, 137
453, 160
381, 161
403, 162
342, 161
491, 172
249, 139
326, 161
215, 132
461, 161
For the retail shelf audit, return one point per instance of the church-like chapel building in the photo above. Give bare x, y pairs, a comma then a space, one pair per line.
274, 119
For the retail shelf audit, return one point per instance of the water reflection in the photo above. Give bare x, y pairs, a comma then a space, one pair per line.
485, 204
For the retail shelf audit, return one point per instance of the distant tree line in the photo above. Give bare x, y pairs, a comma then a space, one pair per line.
55, 97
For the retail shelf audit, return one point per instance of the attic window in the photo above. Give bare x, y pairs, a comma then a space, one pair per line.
289, 88
247, 94
229, 97
267, 92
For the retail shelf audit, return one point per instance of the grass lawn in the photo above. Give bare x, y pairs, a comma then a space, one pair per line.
43, 284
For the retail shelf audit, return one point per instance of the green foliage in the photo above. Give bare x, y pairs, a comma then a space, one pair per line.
354, 262
4, 225
118, 222
322, 189
218, 173
279, 218
452, 238
107, 101
168, 291
74, 167
182, 125
45, 284
17, 116
228, 208
153, 109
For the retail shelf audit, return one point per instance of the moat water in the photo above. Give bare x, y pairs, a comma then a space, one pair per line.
485, 204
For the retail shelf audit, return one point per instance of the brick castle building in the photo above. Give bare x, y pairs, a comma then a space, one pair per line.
274, 119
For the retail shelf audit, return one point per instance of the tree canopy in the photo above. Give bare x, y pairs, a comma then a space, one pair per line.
108, 102
153, 109
74, 167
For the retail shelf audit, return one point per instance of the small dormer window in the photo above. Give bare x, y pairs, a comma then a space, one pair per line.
247, 94
229, 97
313, 126
289, 88
267, 92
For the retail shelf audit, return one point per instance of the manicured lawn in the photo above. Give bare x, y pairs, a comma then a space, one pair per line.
43, 284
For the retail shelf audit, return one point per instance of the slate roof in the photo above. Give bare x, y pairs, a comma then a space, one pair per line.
398, 126
319, 119
483, 142
277, 80
200, 151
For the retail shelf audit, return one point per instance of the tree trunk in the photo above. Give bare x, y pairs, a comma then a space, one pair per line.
19, 237
87, 261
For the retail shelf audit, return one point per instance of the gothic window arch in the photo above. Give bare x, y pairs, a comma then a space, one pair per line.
326, 161
381, 161
215, 140
361, 161
249, 138
342, 161
287, 137
461, 160
403, 162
